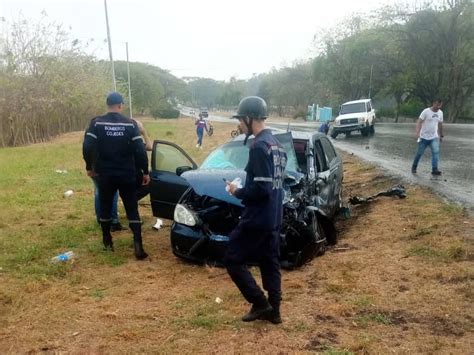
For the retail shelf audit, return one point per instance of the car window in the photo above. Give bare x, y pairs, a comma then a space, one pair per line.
320, 158
353, 108
228, 156
369, 106
300, 151
168, 158
328, 149
234, 155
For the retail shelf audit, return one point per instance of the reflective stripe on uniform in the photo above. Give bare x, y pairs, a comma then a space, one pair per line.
137, 137
91, 134
264, 179
105, 220
133, 221
114, 124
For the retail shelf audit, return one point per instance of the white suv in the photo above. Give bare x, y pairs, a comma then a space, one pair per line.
356, 115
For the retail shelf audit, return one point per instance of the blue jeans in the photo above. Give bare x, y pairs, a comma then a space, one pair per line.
422, 145
200, 132
113, 212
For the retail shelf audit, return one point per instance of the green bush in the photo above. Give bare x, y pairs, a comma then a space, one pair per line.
386, 112
165, 112
300, 114
411, 108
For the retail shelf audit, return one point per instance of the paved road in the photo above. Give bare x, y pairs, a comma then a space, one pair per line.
393, 147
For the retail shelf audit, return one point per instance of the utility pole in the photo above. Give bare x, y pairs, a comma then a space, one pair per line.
370, 80
129, 86
110, 46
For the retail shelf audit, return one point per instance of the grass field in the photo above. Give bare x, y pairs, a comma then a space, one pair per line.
399, 281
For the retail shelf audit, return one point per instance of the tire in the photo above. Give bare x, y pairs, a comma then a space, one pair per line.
365, 131
372, 130
334, 135
316, 240
339, 201
234, 133
348, 133
320, 237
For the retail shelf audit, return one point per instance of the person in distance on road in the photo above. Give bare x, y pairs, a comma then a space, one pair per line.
429, 133
200, 127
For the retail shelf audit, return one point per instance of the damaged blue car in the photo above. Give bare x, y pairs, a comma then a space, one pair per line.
204, 213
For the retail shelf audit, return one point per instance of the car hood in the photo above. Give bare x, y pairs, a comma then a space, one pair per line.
351, 115
210, 182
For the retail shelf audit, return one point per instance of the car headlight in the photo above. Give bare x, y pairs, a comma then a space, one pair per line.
361, 119
184, 216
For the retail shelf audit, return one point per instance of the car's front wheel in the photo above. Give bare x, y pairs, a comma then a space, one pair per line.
316, 238
334, 134
372, 129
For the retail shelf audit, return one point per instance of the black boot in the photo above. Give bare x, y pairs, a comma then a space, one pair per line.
106, 236
140, 254
257, 312
136, 228
273, 316
108, 243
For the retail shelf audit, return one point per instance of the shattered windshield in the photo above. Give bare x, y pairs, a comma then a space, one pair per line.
234, 155
353, 108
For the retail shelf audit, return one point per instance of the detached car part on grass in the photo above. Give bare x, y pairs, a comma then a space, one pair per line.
205, 213
397, 190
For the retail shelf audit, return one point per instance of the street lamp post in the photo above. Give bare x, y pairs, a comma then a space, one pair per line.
110, 46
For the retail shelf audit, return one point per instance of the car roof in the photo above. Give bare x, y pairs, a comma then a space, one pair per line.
356, 101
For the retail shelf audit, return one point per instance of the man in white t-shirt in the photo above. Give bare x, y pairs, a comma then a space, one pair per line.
429, 133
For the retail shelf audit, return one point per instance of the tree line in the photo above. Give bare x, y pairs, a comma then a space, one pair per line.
49, 85
401, 57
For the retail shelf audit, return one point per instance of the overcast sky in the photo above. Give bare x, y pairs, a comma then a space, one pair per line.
207, 38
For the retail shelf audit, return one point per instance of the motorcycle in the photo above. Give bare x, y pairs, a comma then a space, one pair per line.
210, 130
234, 133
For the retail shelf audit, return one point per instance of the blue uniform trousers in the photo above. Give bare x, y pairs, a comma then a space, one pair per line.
262, 248
126, 186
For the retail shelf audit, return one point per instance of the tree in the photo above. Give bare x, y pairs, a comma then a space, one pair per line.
439, 46
50, 86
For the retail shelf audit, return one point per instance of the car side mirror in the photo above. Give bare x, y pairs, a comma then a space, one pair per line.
181, 169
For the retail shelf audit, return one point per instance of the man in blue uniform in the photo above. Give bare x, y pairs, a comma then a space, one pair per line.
114, 146
256, 237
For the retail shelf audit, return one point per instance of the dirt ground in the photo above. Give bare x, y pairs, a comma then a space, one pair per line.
400, 280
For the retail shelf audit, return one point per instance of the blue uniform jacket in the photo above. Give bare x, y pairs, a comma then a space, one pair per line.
262, 194
114, 146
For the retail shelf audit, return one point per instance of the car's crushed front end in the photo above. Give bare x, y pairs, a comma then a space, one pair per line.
206, 215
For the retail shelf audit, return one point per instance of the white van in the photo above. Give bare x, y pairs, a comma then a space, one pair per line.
356, 115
